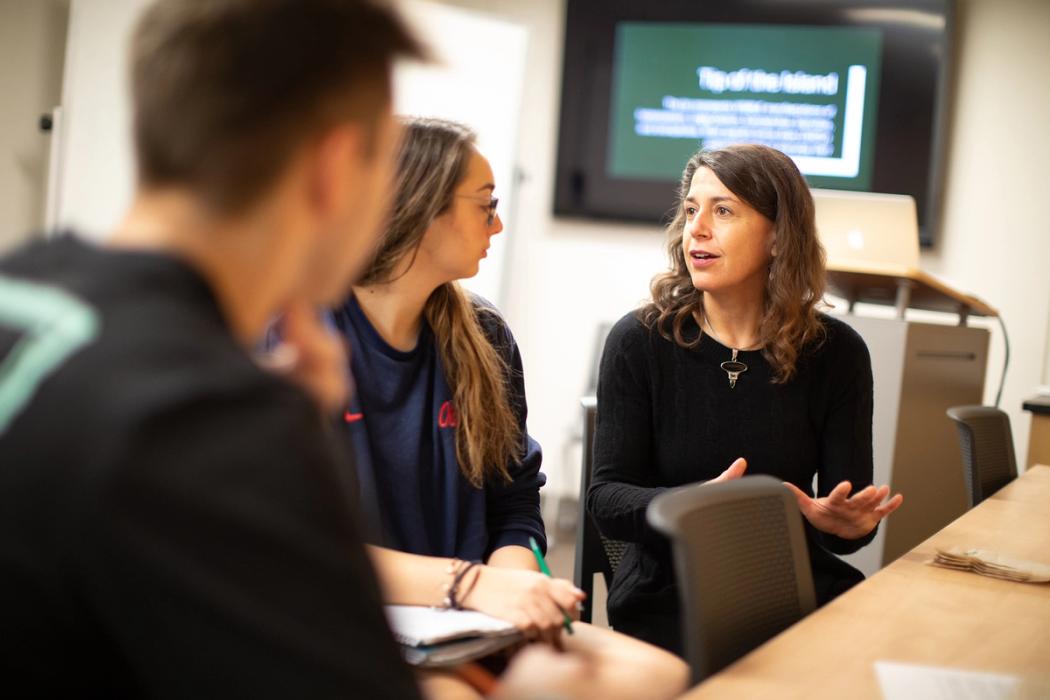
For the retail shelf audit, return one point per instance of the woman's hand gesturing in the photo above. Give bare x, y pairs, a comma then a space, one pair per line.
848, 517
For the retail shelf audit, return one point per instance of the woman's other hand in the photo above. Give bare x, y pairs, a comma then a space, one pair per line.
735, 471
845, 516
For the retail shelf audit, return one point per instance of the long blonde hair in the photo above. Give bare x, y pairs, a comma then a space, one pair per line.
432, 161
770, 182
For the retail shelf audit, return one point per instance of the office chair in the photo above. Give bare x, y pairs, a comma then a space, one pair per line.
987, 449
741, 564
595, 553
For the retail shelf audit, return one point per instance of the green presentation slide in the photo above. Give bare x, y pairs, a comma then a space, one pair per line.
809, 91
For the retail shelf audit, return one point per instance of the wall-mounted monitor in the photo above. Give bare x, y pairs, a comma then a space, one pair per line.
853, 90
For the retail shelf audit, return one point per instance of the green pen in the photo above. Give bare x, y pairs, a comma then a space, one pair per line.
543, 567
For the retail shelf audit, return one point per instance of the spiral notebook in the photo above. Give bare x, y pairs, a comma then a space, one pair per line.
436, 637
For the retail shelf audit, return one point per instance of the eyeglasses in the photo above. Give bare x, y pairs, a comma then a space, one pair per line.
490, 205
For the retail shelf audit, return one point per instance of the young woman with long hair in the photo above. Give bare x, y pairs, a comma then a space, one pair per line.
447, 475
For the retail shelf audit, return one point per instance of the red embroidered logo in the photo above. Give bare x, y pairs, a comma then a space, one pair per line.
447, 417
352, 417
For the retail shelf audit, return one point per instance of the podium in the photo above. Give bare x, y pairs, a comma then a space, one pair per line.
920, 370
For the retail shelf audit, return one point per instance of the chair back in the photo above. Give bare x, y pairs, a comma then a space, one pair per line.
987, 449
741, 564
595, 553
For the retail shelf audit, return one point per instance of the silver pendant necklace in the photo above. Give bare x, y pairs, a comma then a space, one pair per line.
732, 367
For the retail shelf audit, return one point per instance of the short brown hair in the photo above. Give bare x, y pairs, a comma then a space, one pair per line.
225, 91
771, 183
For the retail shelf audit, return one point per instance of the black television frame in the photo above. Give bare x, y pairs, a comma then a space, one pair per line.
582, 186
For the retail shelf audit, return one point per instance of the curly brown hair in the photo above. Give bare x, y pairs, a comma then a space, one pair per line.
771, 183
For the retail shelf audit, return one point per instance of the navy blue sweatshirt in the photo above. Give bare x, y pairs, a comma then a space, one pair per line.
402, 424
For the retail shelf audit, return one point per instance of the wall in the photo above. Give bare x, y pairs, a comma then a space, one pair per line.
32, 47
995, 238
567, 276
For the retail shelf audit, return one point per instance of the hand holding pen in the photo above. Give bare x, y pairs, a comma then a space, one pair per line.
535, 603
567, 621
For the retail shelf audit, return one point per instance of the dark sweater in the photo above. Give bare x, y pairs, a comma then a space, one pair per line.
403, 425
667, 417
174, 522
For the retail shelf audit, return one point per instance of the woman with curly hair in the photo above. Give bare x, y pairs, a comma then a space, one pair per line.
731, 367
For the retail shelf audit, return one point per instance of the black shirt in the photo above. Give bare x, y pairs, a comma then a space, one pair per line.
174, 521
667, 417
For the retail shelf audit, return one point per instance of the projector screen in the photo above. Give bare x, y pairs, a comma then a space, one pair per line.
810, 92
853, 90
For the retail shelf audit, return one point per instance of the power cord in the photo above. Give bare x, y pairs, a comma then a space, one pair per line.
1006, 360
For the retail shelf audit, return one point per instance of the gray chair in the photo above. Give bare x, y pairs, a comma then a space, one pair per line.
987, 449
595, 553
741, 564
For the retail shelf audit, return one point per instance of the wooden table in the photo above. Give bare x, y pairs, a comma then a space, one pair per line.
912, 612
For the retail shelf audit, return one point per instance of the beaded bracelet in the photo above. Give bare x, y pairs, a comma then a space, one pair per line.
457, 569
454, 564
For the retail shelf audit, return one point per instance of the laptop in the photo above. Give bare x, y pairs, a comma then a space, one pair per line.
872, 242
868, 231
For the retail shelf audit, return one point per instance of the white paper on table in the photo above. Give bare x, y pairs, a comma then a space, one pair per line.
902, 681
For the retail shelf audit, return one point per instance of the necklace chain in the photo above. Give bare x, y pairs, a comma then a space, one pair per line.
711, 332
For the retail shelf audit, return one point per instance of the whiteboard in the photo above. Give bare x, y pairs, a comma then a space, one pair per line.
96, 175
478, 81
